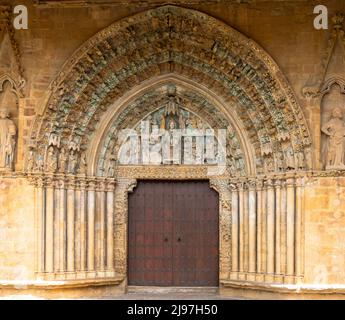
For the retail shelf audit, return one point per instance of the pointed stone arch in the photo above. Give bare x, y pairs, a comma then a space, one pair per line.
188, 43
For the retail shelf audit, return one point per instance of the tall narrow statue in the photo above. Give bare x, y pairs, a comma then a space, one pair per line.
7, 140
334, 151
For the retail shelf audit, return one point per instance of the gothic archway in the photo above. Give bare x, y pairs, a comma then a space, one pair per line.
121, 76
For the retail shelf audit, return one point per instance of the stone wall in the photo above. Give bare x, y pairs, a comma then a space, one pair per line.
17, 230
324, 230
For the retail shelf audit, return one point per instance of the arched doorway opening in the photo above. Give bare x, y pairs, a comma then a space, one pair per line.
221, 80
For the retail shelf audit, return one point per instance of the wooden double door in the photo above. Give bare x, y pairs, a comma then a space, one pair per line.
173, 234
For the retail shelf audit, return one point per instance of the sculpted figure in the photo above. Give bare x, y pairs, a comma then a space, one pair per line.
281, 161
31, 160
82, 164
334, 150
155, 146
51, 160
7, 140
39, 163
62, 160
110, 172
300, 160
72, 162
290, 159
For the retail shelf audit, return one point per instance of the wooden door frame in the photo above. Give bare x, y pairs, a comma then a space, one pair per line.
126, 181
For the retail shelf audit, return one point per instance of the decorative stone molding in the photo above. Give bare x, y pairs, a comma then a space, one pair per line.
235, 68
327, 77
134, 3
16, 78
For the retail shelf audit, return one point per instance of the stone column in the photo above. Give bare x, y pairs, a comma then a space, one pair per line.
259, 223
290, 226
62, 225
77, 226
83, 224
70, 224
49, 227
283, 220
100, 226
278, 226
234, 227
39, 223
241, 226
246, 228
270, 227
120, 223
223, 188
91, 227
264, 228
252, 226
110, 225
299, 227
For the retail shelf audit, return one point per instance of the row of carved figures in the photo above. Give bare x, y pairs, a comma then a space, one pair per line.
58, 160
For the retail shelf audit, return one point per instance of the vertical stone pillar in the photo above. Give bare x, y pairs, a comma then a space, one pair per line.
252, 226
259, 222
270, 227
70, 224
283, 220
120, 223
110, 225
62, 248
223, 188
278, 226
49, 226
77, 226
241, 226
290, 226
91, 199
299, 227
83, 224
264, 228
39, 224
100, 226
246, 228
234, 228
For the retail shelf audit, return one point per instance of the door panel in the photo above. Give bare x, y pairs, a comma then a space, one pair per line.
173, 234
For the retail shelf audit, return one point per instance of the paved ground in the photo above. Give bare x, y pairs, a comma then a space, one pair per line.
170, 296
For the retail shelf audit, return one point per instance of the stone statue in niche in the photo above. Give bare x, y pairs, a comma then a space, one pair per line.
51, 160
281, 161
290, 159
300, 160
72, 162
82, 164
334, 151
39, 163
62, 160
155, 146
7, 140
31, 160
110, 171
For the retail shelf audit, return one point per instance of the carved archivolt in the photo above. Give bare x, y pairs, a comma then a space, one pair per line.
190, 44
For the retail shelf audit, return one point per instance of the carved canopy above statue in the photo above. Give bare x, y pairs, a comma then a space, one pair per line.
121, 74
